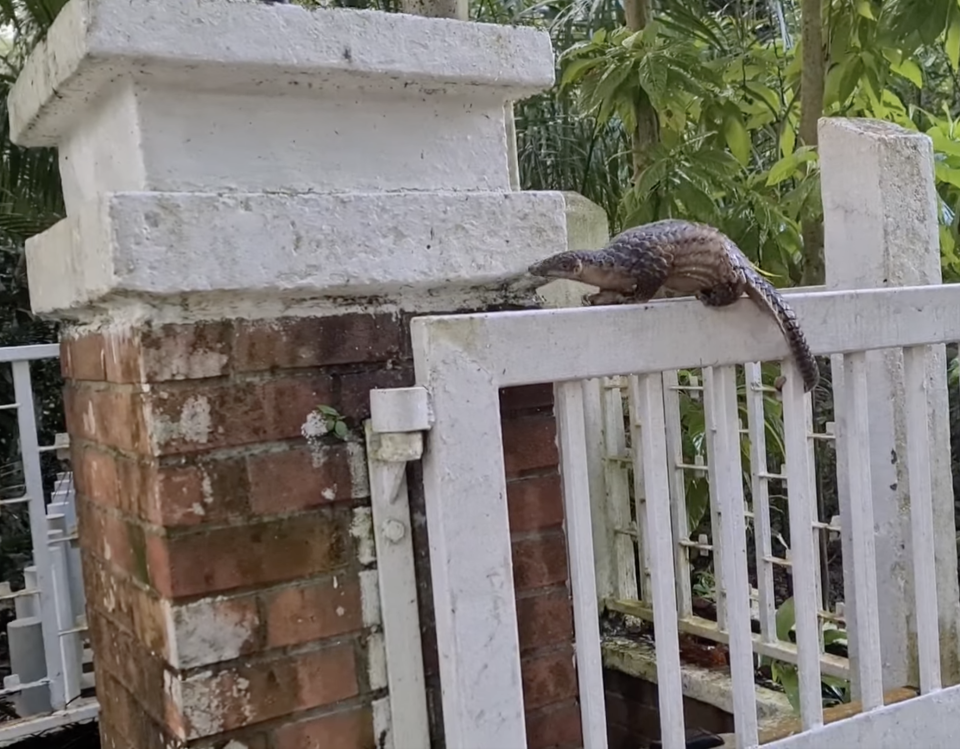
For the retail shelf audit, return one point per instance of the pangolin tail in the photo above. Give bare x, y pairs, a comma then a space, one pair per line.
765, 295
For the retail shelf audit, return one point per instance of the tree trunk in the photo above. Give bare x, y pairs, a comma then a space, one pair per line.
437, 8
637, 14
811, 109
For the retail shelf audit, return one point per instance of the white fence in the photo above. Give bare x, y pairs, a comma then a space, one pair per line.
690, 396
462, 361
45, 640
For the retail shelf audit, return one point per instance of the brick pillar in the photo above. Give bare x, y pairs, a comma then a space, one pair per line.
217, 546
243, 245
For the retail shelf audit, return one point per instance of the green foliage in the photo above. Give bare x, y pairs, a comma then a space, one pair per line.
333, 421
834, 690
726, 95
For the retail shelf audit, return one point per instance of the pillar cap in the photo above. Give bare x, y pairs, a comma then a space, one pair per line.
226, 45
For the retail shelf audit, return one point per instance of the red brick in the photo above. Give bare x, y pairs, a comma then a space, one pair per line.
178, 492
529, 444
355, 388
526, 398
139, 671
123, 722
544, 618
109, 416
293, 480
187, 493
125, 604
313, 611
223, 559
210, 416
555, 727
317, 341
112, 538
548, 678
82, 357
179, 352
539, 561
351, 729
265, 689
95, 477
535, 503
168, 352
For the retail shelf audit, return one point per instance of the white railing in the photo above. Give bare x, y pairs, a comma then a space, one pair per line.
693, 392
46, 639
463, 360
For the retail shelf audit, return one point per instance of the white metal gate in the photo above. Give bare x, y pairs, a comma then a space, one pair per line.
461, 363
48, 694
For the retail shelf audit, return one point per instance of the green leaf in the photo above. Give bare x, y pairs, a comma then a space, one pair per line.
786, 618
340, 429
737, 137
852, 74
789, 679
864, 9
788, 138
947, 174
788, 165
831, 636
909, 70
328, 411
575, 70
952, 42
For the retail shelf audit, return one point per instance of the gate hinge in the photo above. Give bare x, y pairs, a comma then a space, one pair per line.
399, 416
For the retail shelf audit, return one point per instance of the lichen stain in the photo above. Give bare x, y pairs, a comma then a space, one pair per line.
214, 628
361, 528
194, 423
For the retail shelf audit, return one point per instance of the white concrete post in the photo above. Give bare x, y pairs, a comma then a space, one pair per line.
880, 224
458, 9
249, 160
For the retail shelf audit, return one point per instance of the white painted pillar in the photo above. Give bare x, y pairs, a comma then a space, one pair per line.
880, 223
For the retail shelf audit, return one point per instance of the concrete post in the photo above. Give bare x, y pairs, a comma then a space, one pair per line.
259, 199
880, 223
458, 9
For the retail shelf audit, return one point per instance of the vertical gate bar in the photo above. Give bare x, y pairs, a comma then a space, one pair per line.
614, 439
397, 583
716, 516
30, 453
647, 395
919, 468
838, 378
70, 643
639, 489
727, 478
603, 538
862, 550
801, 501
760, 491
678, 489
574, 473
814, 509
471, 563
